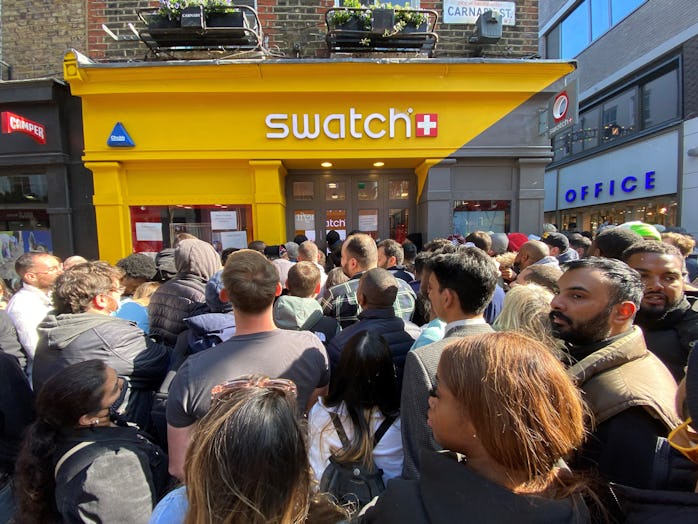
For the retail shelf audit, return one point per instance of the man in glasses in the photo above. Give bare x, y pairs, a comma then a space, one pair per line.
28, 307
629, 391
81, 327
251, 283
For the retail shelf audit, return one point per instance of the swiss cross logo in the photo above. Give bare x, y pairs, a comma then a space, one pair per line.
426, 124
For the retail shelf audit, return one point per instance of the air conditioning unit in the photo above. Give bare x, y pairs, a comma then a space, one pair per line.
488, 28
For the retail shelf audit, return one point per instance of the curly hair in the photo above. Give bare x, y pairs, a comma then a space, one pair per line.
76, 287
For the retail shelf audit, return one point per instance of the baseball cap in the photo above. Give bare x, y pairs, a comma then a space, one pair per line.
557, 240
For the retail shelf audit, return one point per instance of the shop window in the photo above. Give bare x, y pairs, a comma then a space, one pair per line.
575, 31
660, 99
23, 189
589, 20
618, 116
304, 223
154, 228
335, 191
399, 224
303, 190
399, 190
367, 190
481, 215
368, 222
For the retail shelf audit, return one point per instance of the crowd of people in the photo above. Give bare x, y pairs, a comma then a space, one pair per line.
488, 378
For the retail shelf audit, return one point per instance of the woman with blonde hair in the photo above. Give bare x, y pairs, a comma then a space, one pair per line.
526, 310
505, 412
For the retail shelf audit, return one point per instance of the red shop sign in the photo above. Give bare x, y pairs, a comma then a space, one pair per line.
12, 123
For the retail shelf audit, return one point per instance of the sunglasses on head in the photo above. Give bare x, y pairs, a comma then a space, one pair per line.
221, 391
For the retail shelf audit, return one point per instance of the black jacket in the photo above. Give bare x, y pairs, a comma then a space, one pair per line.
9, 343
399, 335
448, 491
16, 410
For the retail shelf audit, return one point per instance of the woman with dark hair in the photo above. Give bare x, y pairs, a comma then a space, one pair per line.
505, 412
76, 464
247, 462
363, 393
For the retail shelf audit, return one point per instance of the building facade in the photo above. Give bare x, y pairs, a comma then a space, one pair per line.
236, 160
631, 155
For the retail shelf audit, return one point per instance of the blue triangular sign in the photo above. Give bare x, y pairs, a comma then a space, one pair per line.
119, 137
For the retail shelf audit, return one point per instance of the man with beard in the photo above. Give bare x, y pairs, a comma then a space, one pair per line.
629, 391
665, 316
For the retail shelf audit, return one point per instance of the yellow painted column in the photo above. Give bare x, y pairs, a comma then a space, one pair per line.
270, 201
113, 224
422, 171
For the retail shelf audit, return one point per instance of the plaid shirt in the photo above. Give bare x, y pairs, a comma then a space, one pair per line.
342, 304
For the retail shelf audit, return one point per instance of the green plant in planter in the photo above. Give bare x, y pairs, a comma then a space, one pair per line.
172, 9
339, 17
410, 16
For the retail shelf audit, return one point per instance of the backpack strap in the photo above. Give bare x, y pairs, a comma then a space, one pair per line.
340, 429
72, 451
377, 436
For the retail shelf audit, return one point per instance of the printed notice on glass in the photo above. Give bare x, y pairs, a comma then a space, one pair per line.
368, 222
304, 221
149, 231
234, 239
224, 220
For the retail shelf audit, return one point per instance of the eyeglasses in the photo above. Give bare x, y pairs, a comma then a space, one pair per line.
220, 391
682, 438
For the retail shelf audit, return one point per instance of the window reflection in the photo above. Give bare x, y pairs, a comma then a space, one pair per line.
303, 191
335, 191
367, 190
399, 189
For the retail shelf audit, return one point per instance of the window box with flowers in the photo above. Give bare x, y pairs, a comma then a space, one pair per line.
356, 27
192, 25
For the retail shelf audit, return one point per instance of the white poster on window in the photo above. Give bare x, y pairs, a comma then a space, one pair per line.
149, 231
368, 222
224, 220
304, 221
310, 233
233, 239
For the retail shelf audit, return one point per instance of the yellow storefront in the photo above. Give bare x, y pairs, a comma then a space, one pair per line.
217, 141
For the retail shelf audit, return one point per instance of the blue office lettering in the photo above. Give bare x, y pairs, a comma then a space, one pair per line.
625, 186
649, 180
571, 195
597, 189
585, 192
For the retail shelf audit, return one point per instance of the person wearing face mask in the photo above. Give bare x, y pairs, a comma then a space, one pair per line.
76, 464
81, 328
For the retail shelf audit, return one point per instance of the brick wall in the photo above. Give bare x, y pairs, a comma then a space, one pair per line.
36, 34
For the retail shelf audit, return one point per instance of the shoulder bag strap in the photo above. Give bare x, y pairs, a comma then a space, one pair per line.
312, 319
385, 425
72, 451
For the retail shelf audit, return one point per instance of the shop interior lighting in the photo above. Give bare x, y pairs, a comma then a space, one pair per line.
378, 164
332, 185
326, 164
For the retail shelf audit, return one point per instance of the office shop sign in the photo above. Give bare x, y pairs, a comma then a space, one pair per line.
352, 125
642, 170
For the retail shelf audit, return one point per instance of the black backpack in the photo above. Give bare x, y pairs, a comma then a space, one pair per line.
352, 483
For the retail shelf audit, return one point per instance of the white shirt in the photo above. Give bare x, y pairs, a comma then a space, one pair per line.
323, 438
27, 308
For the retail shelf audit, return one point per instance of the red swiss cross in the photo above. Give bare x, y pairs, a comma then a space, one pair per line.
426, 124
